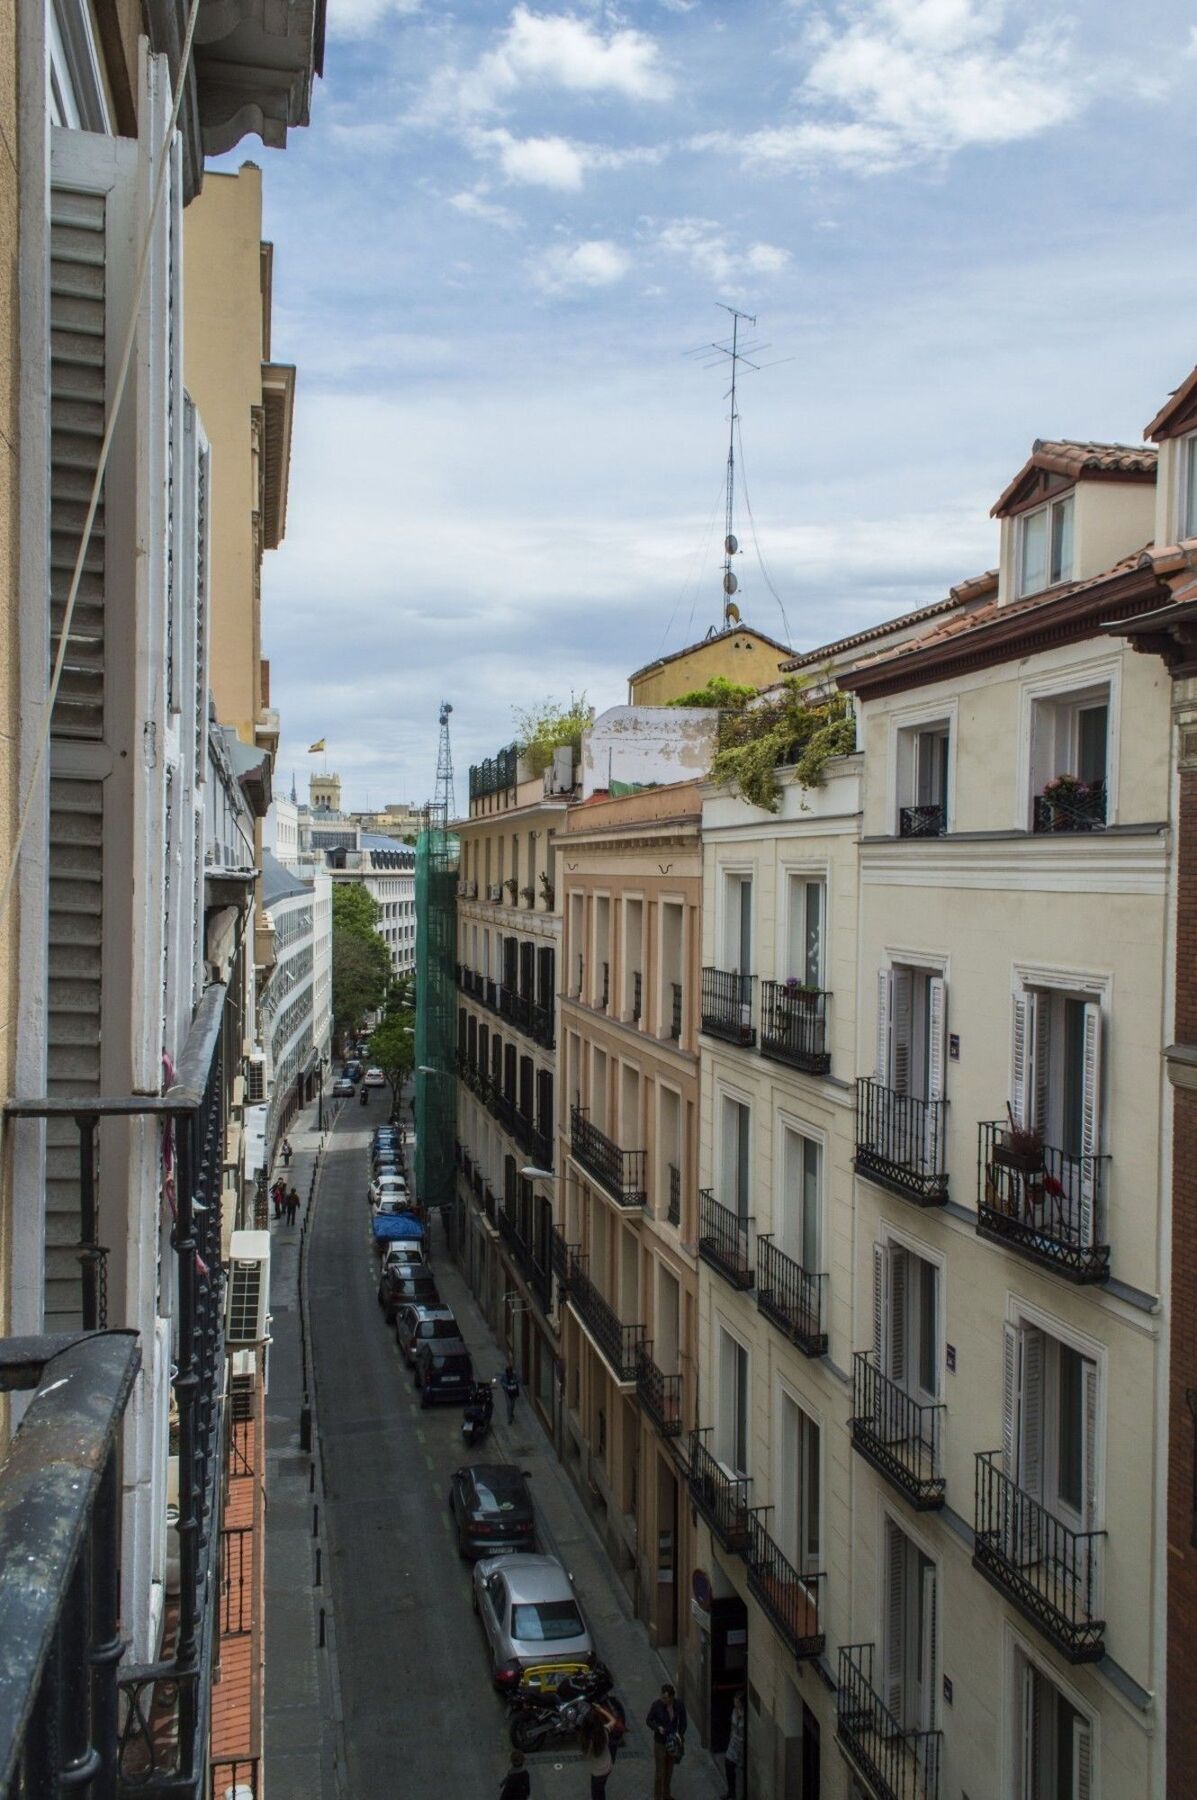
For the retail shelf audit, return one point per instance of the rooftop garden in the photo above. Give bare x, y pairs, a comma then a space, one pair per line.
798, 725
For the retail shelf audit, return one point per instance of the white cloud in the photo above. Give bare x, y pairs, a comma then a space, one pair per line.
555, 50
554, 162
358, 18
593, 263
475, 205
702, 244
1190, 49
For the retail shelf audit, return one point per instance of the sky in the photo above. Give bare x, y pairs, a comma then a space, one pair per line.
961, 225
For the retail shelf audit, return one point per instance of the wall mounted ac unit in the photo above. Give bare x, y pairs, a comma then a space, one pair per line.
248, 1306
495, 891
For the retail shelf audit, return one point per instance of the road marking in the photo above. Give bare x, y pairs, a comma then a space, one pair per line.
428, 1460
419, 1434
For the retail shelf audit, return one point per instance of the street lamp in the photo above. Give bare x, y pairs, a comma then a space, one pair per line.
320, 1095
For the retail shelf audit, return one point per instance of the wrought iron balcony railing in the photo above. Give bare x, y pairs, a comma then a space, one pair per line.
675, 1023
792, 1601
605, 998
922, 821
794, 1026
791, 1296
540, 1025
1052, 1574
720, 1495
723, 1239
637, 996
620, 1344
525, 1259
900, 1436
727, 1006
674, 1215
900, 1142
1047, 1205
660, 1395
561, 1255
620, 1172
1079, 807
896, 1764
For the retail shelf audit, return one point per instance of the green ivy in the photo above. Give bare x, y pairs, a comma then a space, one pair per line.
728, 696
787, 729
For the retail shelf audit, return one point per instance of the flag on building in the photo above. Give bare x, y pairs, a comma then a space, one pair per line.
313, 748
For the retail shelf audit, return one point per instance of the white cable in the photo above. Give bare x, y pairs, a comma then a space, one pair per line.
105, 447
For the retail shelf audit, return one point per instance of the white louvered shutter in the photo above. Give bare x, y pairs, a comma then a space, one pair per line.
929, 1648
896, 1346
1022, 1057
895, 1620
937, 1042
1030, 1444
1011, 1362
1089, 1445
901, 1029
1090, 1121
1082, 1759
884, 984
880, 1285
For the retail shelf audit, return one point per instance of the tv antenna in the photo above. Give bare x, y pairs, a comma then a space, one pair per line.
444, 801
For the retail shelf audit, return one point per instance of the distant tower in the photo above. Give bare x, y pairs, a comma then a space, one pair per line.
325, 793
444, 801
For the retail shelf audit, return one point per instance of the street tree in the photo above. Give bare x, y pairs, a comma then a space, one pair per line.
361, 970
392, 1049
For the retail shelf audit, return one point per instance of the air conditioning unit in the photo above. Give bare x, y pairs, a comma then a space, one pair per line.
255, 1078
248, 1307
495, 891
471, 890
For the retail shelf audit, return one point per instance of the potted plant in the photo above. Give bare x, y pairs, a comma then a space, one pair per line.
546, 891
800, 992
1020, 1147
528, 896
512, 886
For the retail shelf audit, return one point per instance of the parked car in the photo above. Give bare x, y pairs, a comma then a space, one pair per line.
353, 1070
405, 1250
416, 1325
387, 1187
444, 1371
342, 1088
375, 1078
386, 1161
387, 1137
403, 1283
492, 1509
530, 1615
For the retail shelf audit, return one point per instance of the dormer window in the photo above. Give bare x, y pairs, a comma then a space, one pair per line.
1045, 546
1188, 487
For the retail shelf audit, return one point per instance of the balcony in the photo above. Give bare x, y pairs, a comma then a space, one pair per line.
794, 1026
895, 1764
900, 1142
922, 821
605, 1000
792, 1601
727, 1007
637, 996
540, 1025
900, 1436
1049, 1206
659, 1395
674, 1214
791, 1297
723, 1239
488, 993
720, 1495
675, 1017
1051, 1573
1068, 805
619, 1172
524, 1259
620, 1344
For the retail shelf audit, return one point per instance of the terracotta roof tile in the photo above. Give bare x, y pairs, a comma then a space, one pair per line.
1074, 457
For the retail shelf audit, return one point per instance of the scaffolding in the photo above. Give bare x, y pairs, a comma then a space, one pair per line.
436, 1002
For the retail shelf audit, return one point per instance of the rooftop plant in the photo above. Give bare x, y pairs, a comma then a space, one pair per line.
793, 725
550, 726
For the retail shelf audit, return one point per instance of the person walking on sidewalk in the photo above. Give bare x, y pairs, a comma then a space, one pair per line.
667, 1721
509, 1381
597, 1753
286, 1153
292, 1206
733, 1756
517, 1783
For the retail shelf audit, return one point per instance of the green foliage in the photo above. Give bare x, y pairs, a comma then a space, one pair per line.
787, 728
392, 1049
728, 696
361, 961
542, 729
353, 909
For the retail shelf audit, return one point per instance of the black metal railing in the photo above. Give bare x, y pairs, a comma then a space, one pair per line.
620, 1172
660, 1395
794, 1026
901, 1437
896, 1764
490, 993
727, 1006
792, 1601
723, 1239
496, 774
922, 821
540, 1025
620, 1344
1046, 1204
675, 1019
637, 995
674, 1214
720, 1495
791, 1296
236, 1580
1080, 806
901, 1142
525, 1259
605, 999
562, 1255
237, 1775
1052, 1573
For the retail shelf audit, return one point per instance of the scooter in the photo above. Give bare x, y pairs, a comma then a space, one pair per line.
475, 1422
538, 1720
364, 1095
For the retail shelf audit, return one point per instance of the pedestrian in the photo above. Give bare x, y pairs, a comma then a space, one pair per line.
667, 1721
733, 1756
517, 1783
277, 1194
292, 1206
286, 1153
509, 1381
597, 1754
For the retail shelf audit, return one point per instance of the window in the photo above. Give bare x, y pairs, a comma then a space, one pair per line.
911, 1020
906, 1311
1188, 487
805, 912
737, 1157
737, 924
1056, 1090
798, 1512
1070, 754
1049, 1424
909, 1631
796, 1230
1045, 546
731, 1446
922, 779
1053, 1752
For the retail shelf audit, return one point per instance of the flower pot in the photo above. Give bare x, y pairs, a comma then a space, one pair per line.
1026, 1162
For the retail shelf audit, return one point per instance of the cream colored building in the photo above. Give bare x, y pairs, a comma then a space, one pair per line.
737, 653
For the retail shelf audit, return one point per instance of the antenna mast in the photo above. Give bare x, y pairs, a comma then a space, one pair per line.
444, 802
730, 545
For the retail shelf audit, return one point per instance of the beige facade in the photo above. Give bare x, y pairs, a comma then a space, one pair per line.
628, 1111
737, 653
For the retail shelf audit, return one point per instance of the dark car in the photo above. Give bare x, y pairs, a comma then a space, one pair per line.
416, 1325
492, 1509
353, 1071
444, 1371
387, 1159
342, 1088
403, 1282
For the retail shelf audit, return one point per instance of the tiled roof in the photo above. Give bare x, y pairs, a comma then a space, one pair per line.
1073, 458
1177, 402
960, 595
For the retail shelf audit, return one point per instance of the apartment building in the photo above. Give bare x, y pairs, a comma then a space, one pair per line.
508, 960
631, 871
296, 1003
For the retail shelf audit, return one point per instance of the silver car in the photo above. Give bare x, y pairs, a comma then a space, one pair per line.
530, 1615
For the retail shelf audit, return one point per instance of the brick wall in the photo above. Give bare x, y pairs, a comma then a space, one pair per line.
1182, 1557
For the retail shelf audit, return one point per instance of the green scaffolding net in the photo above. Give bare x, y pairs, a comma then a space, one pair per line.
436, 1004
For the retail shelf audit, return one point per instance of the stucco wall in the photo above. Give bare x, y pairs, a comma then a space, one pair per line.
738, 655
9, 638
647, 744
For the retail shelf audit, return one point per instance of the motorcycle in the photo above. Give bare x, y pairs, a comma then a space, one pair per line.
538, 1720
475, 1422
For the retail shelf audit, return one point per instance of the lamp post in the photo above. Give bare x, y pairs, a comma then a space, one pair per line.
320, 1096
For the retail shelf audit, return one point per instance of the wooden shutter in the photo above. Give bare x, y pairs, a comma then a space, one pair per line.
880, 1294
937, 1043
1029, 1731
1030, 1436
1022, 1057
884, 986
1082, 1758
1039, 1084
929, 1648
1090, 1120
894, 1634
898, 1285
1011, 1367
1089, 1445
901, 1022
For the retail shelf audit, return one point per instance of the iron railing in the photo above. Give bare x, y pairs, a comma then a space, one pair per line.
674, 1215
1048, 1205
620, 1344
496, 774
727, 1006
720, 1495
792, 1601
1052, 1573
1082, 809
540, 1025
900, 1142
237, 1603
723, 1239
675, 1024
922, 821
791, 1296
794, 1026
235, 1776
637, 995
897, 1764
660, 1395
620, 1172
605, 1001
900, 1436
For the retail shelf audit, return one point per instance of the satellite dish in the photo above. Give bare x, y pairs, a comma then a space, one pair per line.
730, 584
731, 545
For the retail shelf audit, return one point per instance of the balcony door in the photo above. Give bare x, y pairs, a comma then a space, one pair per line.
806, 911
906, 1313
796, 1231
731, 1432
910, 1631
799, 1525
737, 924
1053, 1750
911, 1020
1050, 1408
1056, 1090
737, 1157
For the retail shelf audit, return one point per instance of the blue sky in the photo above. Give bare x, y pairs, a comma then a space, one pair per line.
963, 224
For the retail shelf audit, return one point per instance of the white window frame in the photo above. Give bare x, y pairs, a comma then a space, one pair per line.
787, 1392
727, 1152
1021, 1312
1020, 1654
936, 968
890, 1238
1186, 467
1067, 497
793, 929
1062, 687
75, 87
783, 1122
723, 1328
945, 711
727, 873
887, 1518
